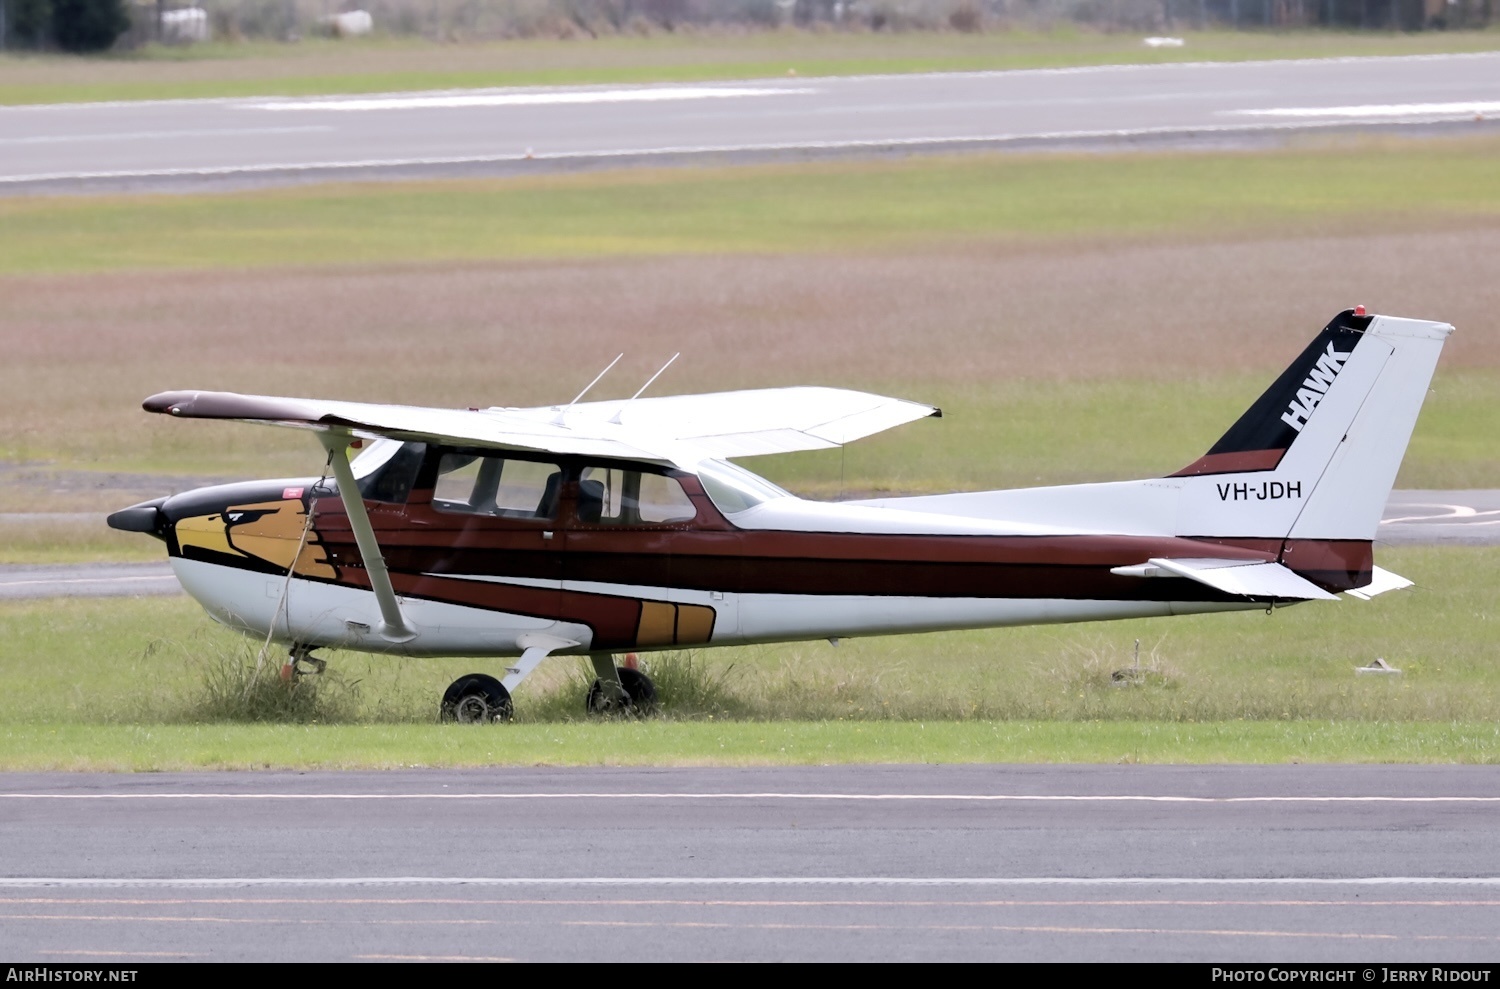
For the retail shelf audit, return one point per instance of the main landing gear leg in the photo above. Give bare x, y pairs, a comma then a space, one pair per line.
479, 698
619, 689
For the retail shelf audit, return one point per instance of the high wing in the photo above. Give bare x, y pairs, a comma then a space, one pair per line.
766, 420
678, 431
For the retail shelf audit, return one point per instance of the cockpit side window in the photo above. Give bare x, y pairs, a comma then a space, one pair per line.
484, 484
612, 496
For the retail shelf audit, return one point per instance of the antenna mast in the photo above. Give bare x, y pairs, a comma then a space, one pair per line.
621, 410
569, 408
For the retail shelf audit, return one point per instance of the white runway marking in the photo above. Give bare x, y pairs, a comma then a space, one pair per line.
1390, 110
702, 796
460, 100
1445, 513
561, 881
165, 135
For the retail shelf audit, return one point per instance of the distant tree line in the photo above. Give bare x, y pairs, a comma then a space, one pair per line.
72, 25
92, 25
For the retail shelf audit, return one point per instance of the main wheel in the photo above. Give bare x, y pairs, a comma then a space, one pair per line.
476, 699
639, 688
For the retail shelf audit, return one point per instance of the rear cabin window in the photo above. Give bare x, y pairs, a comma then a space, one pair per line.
479, 484
610, 496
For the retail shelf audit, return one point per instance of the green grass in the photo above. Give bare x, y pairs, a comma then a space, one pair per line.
121, 684
387, 65
164, 748
774, 209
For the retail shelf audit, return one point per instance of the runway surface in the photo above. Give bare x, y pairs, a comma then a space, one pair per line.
1326, 863
1467, 518
190, 144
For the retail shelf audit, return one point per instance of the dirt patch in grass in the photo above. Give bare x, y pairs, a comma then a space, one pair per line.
526, 332
939, 324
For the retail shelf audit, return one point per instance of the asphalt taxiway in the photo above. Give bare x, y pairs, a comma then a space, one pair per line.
1086, 863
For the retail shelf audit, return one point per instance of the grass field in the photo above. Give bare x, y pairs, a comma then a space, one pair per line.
385, 65
116, 683
1078, 317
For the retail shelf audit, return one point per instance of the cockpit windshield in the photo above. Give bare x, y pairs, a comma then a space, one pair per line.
734, 489
374, 456
387, 469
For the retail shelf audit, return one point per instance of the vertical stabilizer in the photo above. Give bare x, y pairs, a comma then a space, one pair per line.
1315, 456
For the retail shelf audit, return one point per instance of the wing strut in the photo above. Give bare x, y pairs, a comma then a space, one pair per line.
394, 627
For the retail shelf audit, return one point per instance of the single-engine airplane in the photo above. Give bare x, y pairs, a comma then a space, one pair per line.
602, 527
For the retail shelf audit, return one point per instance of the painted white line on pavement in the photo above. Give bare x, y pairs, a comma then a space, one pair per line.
443, 101
1377, 110
731, 795
563, 881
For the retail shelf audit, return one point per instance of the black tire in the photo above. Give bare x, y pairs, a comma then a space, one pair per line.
637, 685
476, 699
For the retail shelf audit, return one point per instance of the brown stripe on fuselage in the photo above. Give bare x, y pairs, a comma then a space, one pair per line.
1232, 463
813, 563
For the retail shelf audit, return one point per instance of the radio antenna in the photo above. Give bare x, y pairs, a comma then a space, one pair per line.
621, 410
585, 391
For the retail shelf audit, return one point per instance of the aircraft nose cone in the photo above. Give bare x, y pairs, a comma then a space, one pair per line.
146, 517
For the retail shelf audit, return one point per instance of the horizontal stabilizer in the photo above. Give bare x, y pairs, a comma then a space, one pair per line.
1380, 582
1247, 577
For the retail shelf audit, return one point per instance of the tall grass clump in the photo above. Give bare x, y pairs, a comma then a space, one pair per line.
688, 688
236, 686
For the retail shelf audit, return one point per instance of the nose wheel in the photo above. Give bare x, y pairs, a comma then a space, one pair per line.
301, 654
476, 699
